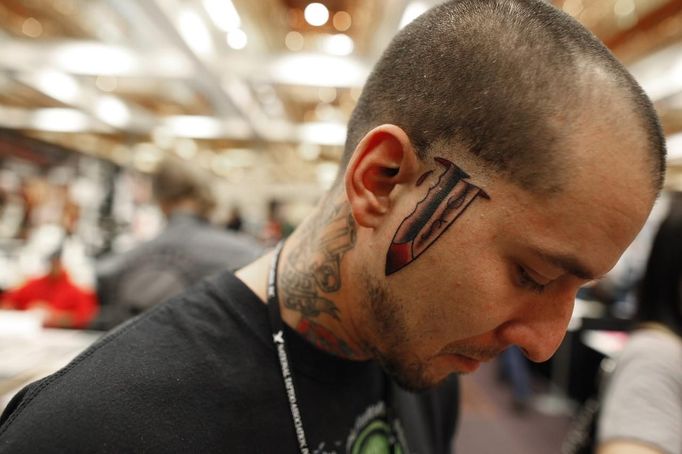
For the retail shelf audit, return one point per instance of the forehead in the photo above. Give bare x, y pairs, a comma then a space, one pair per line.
605, 199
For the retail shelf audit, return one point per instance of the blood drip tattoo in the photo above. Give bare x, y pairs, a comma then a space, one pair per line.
443, 204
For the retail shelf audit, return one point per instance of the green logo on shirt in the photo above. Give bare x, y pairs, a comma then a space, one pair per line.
377, 438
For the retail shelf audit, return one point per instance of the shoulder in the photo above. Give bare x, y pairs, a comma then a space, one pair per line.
652, 351
199, 238
643, 397
175, 371
651, 363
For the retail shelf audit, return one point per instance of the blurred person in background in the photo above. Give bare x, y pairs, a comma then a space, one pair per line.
62, 303
480, 188
188, 249
235, 221
642, 406
515, 371
276, 226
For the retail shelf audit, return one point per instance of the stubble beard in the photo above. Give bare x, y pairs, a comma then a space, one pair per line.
391, 338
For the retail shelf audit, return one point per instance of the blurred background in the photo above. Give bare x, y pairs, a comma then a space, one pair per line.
256, 95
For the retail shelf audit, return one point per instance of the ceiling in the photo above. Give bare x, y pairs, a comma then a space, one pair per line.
248, 88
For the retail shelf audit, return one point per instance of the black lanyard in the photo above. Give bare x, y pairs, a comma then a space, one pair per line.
277, 328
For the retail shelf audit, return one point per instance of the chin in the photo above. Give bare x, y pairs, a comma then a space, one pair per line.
421, 376
412, 376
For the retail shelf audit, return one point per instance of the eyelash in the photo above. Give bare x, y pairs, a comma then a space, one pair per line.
528, 282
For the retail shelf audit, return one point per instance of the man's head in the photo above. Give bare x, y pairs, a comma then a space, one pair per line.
498, 159
180, 186
507, 78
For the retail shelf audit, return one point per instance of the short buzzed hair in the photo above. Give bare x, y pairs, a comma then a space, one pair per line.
499, 77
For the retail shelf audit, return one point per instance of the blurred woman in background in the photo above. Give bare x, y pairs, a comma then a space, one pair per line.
642, 407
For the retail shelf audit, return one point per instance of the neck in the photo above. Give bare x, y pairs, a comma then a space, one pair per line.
312, 296
312, 288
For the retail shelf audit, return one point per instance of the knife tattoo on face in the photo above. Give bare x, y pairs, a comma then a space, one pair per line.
443, 204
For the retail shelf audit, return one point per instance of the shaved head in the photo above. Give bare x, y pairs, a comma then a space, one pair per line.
507, 79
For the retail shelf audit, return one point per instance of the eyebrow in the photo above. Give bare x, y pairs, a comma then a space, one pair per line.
568, 263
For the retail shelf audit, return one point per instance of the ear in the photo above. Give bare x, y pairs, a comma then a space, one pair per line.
383, 159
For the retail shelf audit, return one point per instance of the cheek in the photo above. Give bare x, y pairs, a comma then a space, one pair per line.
476, 300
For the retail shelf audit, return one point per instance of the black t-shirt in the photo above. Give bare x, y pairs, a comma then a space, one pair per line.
200, 374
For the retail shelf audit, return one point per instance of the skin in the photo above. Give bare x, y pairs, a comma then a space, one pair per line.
504, 273
626, 447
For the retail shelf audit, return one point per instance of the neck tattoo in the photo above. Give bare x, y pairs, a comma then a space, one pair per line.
311, 276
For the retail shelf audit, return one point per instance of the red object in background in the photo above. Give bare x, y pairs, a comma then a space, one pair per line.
61, 297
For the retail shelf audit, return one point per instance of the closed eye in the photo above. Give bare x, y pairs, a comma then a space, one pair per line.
526, 281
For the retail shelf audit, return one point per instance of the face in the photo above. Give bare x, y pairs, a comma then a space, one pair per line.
498, 270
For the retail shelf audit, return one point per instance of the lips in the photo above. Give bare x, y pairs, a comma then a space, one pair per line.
470, 360
463, 364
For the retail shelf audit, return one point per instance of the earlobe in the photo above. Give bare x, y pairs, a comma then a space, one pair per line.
383, 159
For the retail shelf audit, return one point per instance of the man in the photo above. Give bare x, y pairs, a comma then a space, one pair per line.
498, 159
62, 303
187, 250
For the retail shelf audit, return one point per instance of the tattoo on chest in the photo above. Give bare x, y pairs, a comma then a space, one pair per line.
448, 196
313, 270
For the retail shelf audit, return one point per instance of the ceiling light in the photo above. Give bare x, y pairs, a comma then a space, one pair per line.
338, 44
195, 32
674, 146
32, 28
327, 94
624, 8
106, 83
309, 151
660, 73
294, 41
113, 111
323, 133
57, 85
194, 126
318, 70
60, 120
573, 7
413, 10
223, 14
316, 14
237, 39
328, 113
146, 156
186, 148
95, 59
342, 21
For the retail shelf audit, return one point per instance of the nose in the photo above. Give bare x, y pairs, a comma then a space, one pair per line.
539, 327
